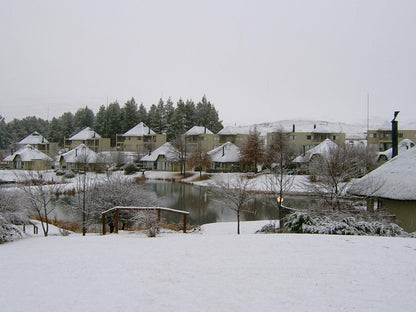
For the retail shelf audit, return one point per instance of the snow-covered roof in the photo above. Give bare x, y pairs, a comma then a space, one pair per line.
81, 154
396, 179
229, 130
404, 145
139, 130
166, 150
85, 134
33, 138
226, 153
28, 153
322, 148
321, 128
196, 130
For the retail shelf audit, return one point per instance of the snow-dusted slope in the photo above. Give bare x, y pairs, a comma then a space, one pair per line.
205, 272
353, 131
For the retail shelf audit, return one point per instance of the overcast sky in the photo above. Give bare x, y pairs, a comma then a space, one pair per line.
256, 61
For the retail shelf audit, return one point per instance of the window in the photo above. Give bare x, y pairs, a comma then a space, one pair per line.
308, 137
400, 135
292, 137
335, 137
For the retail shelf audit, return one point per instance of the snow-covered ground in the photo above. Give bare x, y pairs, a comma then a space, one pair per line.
208, 271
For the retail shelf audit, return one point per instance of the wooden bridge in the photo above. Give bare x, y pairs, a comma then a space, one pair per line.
158, 209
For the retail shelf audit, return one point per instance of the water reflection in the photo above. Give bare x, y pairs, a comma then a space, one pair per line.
204, 209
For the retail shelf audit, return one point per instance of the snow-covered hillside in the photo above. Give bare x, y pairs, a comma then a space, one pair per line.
352, 131
211, 271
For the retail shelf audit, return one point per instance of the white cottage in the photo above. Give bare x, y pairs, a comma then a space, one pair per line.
29, 158
225, 157
81, 158
164, 158
392, 186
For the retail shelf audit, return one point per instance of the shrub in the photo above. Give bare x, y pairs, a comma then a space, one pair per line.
8, 232
69, 175
269, 228
130, 169
300, 222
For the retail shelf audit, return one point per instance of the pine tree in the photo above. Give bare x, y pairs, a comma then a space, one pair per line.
129, 115
190, 119
99, 125
4, 135
207, 115
112, 125
67, 124
142, 114
55, 132
153, 118
84, 117
169, 120
178, 119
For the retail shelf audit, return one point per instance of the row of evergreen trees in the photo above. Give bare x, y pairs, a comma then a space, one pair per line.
110, 120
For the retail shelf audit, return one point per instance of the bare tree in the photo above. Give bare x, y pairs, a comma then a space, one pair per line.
234, 193
180, 156
84, 158
39, 196
279, 157
199, 159
253, 152
333, 172
117, 190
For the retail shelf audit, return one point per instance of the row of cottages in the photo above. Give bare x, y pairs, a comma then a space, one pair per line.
224, 158
391, 187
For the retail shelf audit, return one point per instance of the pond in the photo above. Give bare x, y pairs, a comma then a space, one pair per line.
196, 200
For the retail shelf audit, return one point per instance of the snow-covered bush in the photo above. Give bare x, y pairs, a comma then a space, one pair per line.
300, 222
130, 169
269, 228
8, 232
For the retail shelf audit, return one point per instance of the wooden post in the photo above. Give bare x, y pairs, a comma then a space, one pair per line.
116, 222
103, 217
184, 223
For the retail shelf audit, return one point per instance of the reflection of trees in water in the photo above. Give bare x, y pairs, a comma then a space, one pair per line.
202, 209
195, 200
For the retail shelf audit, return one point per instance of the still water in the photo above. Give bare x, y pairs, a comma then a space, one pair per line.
202, 206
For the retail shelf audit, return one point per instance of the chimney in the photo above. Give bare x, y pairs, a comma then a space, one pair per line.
395, 135
205, 130
314, 126
223, 151
293, 128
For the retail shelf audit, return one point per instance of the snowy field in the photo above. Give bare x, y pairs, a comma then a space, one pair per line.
208, 271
